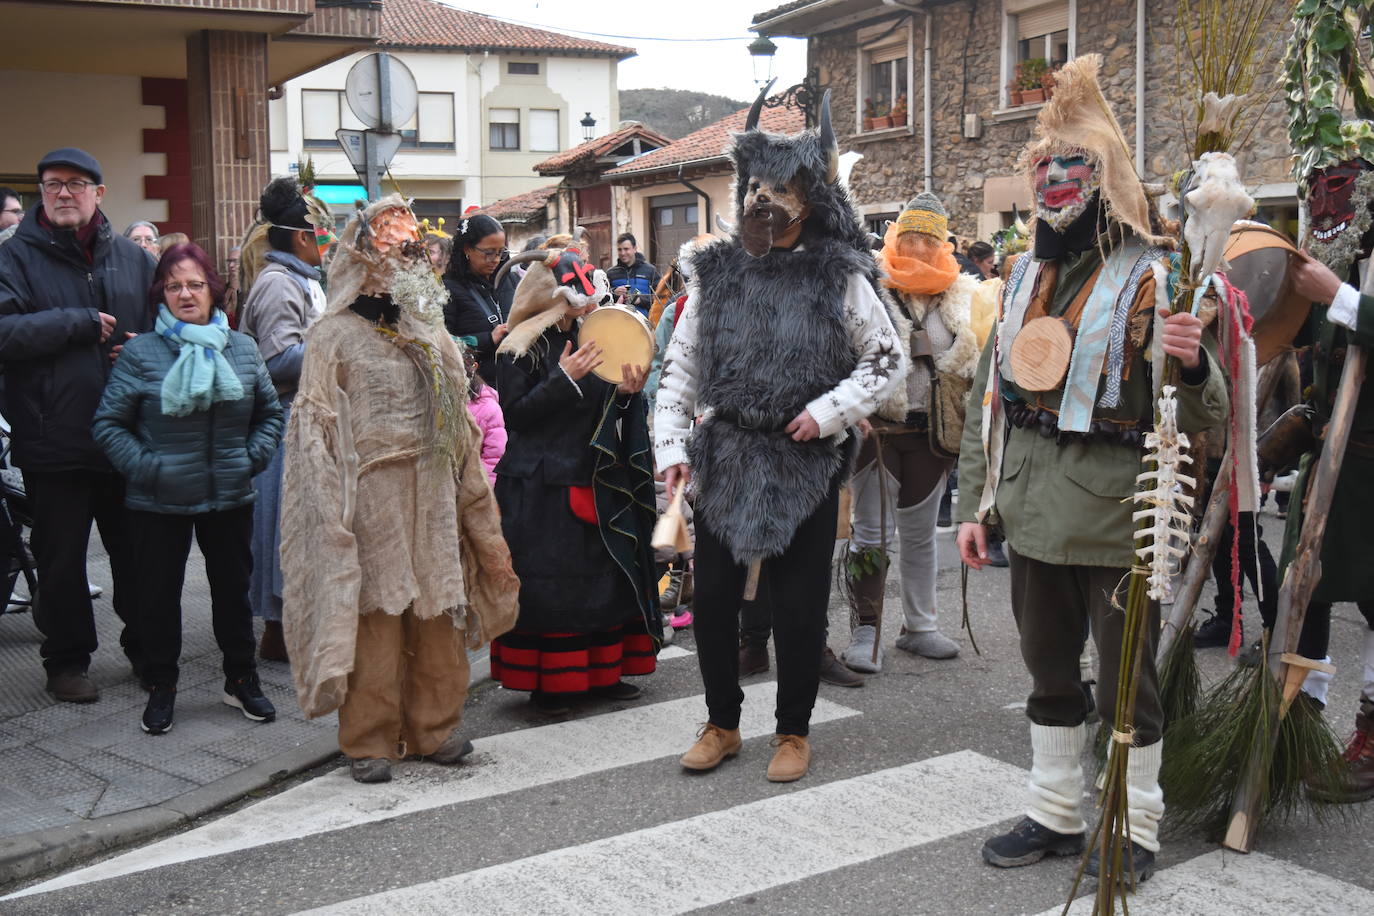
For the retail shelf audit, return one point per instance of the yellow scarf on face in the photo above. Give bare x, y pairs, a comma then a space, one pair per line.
915, 276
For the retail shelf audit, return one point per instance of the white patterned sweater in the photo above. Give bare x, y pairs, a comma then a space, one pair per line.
881, 369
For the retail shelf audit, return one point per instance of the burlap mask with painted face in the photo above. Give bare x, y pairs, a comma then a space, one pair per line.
772, 210
402, 268
1064, 185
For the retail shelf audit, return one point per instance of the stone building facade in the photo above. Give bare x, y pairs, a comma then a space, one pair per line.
976, 132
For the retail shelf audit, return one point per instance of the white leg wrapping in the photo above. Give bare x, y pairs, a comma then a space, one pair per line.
1369, 664
867, 530
1144, 798
1056, 777
1317, 683
919, 563
1087, 668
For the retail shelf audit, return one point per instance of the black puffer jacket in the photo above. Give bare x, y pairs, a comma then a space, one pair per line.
202, 462
55, 364
474, 308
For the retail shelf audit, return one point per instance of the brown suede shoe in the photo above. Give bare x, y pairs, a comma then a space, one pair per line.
752, 659
73, 687
272, 646
713, 745
790, 760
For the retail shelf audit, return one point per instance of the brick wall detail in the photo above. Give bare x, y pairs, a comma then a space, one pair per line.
173, 141
227, 88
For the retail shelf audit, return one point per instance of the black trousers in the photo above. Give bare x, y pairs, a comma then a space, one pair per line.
1053, 606
64, 504
794, 588
1315, 639
1264, 578
162, 544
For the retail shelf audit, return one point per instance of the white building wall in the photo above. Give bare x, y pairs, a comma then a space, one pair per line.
471, 171
104, 115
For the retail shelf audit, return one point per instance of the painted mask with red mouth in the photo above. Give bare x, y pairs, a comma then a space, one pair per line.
1331, 198
1339, 199
1064, 185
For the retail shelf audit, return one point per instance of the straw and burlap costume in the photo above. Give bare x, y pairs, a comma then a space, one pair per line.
1057, 467
392, 553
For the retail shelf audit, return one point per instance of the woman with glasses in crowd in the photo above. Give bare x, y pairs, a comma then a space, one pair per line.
188, 416
476, 309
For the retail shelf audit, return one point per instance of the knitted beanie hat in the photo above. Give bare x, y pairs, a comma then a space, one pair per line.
925, 213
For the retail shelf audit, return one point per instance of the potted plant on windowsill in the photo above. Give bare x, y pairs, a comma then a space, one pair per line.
868, 114
884, 120
1014, 91
1032, 70
899, 111
1047, 81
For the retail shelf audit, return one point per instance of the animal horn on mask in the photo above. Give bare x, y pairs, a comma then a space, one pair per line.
523, 257
828, 141
752, 122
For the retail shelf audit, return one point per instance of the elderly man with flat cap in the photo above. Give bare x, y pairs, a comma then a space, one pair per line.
71, 292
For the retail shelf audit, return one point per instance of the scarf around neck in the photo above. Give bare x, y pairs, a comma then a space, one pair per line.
914, 276
294, 264
201, 375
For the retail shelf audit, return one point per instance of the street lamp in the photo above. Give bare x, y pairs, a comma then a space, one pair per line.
588, 127
762, 51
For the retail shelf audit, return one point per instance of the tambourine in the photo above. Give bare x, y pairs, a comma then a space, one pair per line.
1261, 261
623, 335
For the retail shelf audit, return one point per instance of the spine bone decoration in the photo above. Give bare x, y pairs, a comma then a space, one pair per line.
1166, 511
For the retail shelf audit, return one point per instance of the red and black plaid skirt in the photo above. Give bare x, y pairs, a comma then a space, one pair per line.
572, 662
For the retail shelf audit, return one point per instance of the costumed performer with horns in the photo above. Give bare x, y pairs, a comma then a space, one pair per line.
1052, 449
784, 344
392, 554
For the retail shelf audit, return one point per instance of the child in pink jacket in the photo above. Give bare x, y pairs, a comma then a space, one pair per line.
486, 410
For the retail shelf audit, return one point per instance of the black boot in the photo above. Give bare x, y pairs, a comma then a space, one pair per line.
1213, 633
1142, 863
1029, 842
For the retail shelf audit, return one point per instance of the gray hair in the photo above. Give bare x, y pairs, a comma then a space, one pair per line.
142, 222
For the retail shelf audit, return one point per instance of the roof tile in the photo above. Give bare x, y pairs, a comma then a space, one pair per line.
520, 206
712, 141
561, 163
431, 24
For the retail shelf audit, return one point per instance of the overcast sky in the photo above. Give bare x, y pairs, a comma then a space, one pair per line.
721, 67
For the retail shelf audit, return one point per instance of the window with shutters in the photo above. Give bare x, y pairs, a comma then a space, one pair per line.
544, 131
1036, 35
504, 128
885, 71
431, 127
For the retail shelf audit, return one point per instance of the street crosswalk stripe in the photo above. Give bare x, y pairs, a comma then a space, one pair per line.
668, 652
508, 762
1223, 883
726, 854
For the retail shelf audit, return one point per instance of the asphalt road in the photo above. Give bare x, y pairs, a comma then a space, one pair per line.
592, 814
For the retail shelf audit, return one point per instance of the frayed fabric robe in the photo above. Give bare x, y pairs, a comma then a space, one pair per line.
374, 520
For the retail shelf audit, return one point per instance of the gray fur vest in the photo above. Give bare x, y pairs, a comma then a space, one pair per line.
771, 337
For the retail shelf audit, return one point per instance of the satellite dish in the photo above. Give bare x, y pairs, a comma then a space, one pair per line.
381, 92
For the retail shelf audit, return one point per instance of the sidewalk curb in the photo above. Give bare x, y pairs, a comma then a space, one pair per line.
39, 851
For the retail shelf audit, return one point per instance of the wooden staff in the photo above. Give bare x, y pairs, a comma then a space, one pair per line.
1304, 573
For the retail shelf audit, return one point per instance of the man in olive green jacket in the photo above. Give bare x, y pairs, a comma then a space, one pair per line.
1055, 461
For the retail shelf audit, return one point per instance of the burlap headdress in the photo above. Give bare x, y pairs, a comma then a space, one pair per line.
544, 297
1078, 119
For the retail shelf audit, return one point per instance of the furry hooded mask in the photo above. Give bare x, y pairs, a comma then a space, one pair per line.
781, 180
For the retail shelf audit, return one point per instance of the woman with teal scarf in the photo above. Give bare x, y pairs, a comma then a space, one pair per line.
189, 415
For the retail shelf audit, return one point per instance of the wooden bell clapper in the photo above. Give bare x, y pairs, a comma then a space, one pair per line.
670, 533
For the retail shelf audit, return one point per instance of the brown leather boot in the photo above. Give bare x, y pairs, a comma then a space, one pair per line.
272, 646
790, 760
1359, 756
713, 745
752, 659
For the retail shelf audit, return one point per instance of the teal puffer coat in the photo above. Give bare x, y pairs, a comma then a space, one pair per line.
203, 462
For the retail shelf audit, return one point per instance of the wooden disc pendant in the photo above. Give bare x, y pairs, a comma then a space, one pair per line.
1040, 354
